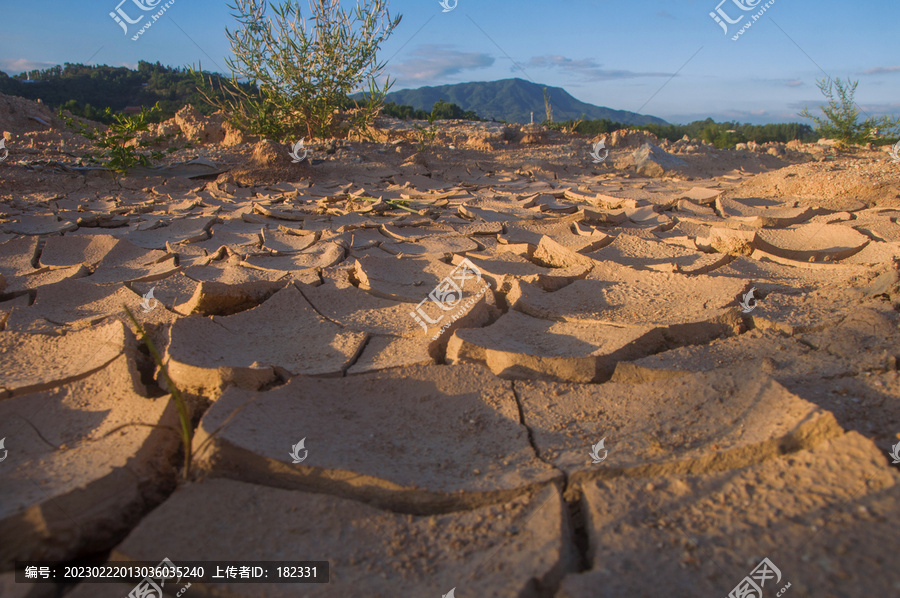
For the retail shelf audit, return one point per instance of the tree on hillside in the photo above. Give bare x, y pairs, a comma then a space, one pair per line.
87, 90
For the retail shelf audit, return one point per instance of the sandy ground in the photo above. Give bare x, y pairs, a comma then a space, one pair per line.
515, 371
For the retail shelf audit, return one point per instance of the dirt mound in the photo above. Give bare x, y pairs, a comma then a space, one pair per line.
270, 162
19, 116
628, 138
866, 176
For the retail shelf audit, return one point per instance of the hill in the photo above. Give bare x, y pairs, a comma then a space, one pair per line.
85, 90
513, 100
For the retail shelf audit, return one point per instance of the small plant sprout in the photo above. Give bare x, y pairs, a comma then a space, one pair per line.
119, 148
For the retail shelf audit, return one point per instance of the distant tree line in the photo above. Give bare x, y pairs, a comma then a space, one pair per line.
440, 111
722, 135
87, 90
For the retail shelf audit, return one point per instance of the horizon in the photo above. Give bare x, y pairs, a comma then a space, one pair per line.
688, 70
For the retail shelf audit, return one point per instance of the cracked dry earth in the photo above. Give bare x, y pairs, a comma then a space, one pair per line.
457, 459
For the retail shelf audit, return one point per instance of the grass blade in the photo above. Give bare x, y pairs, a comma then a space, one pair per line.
183, 415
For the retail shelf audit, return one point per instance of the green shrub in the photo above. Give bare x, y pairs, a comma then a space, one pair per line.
841, 120
118, 148
303, 74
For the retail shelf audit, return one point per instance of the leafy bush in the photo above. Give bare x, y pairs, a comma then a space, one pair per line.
87, 111
303, 76
118, 147
842, 114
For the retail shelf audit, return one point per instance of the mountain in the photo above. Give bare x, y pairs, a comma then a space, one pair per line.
513, 100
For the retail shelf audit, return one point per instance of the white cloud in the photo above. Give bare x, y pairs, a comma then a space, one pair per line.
587, 68
436, 62
14, 66
880, 70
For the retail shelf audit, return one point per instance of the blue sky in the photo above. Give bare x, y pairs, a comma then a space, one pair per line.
615, 53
